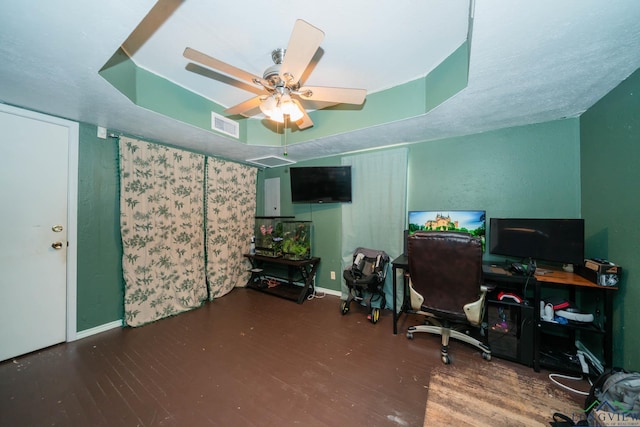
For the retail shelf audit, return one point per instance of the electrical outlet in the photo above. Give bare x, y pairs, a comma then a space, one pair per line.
333, 275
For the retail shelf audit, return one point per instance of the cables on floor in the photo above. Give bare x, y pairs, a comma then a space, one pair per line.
314, 294
553, 379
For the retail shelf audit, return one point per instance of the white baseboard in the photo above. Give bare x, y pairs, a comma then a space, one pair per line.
102, 328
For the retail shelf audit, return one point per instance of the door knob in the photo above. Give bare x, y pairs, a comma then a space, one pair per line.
56, 245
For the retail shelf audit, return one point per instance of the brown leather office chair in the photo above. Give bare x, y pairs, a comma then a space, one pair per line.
445, 270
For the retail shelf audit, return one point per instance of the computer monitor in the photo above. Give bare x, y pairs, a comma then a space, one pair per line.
540, 239
469, 221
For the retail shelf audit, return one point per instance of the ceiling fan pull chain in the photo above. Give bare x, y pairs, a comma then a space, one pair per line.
285, 136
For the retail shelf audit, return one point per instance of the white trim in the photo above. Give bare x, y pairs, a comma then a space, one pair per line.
98, 329
72, 209
72, 232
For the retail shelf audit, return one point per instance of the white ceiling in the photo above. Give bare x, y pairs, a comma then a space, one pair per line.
531, 61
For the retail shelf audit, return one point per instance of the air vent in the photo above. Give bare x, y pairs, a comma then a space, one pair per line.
270, 161
225, 125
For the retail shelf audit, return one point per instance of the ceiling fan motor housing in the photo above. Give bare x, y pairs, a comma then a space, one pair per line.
272, 74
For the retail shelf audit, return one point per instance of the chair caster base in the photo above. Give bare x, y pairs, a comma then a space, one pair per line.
344, 307
410, 332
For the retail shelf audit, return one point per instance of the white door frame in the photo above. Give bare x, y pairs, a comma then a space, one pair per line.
72, 210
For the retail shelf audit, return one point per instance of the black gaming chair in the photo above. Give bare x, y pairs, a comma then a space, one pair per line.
445, 270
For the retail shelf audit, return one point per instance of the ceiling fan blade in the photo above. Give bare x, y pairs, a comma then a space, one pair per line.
216, 64
338, 95
305, 122
223, 78
304, 42
245, 106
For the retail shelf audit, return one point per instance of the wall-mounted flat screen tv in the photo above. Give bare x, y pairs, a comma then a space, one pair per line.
469, 221
320, 184
541, 239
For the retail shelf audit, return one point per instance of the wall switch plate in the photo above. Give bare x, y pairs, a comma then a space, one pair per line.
333, 275
102, 132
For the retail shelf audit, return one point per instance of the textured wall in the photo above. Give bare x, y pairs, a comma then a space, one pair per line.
100, 283
525, 171
610, 150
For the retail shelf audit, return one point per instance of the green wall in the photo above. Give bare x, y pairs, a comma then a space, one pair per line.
575, 167
610, 152
100, 291
524, 171
326, 236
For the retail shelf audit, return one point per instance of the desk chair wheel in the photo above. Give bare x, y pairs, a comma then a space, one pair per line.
344, 307
374, 316
486, 356
445, 359
410, 335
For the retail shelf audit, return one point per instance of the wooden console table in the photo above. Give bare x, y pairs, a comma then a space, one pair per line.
286, 278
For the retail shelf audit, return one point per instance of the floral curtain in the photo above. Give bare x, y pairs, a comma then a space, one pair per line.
162, 226
231, 208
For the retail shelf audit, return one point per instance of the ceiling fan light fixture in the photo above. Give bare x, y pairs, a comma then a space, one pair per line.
294, 113
269, 105
277, 116
288, 107
297, 116
278, 105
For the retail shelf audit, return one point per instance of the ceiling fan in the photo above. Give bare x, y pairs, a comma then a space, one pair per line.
283, 93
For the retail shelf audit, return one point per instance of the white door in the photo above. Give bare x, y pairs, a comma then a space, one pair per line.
34, 165
272, 197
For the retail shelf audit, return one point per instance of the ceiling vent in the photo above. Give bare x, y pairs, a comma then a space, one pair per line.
225, 125
271, 161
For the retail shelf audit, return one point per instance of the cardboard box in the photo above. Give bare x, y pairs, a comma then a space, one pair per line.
600, 272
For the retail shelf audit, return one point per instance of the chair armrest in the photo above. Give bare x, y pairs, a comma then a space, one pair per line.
484, 288
415, 298
475, 310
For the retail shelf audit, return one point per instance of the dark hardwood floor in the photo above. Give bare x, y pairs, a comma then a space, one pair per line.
246, 359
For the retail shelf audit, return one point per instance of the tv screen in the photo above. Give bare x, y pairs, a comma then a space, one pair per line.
320, 184
544, 239
469, 221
